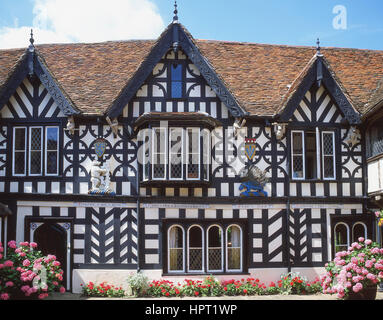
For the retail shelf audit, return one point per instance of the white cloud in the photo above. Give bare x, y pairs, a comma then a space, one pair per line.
63, 21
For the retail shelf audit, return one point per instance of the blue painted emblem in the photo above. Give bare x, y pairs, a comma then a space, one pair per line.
250, 148
100, 147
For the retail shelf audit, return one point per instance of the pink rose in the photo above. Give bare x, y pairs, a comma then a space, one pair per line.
8, 263
22, 254
12, 244
26, 244
62, 290
361, 239
368, 242
357, 287
24, 288
26, 263
377, 214
56, 263
4, 296
33, 245
9, 284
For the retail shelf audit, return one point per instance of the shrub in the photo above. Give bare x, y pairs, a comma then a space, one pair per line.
352, 270
139, 283
102, 290
26, 273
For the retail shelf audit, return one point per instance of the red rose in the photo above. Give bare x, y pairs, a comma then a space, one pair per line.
196, 293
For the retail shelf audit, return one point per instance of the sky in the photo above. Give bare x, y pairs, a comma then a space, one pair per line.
338, 23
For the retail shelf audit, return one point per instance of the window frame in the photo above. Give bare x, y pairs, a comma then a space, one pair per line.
46, 151
205, 227
202, 248
188, 153
182, 153
302, 132
183, 249
222, 248
348, 236
333, 155
154, 153
365, 230
25, 151
149, 144
227, 251
28, 150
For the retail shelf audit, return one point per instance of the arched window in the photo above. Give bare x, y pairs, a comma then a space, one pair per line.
214, 249
195, 249
234, 248
359, 229
176, 256
341, 237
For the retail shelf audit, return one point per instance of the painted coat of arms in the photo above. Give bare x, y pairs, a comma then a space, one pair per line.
100, 147
250, 148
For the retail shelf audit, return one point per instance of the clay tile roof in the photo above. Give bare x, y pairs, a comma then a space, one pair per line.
260, 76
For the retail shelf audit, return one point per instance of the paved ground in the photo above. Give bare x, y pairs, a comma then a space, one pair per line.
72, 296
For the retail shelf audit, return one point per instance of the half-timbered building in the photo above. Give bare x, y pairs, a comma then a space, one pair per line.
182, 157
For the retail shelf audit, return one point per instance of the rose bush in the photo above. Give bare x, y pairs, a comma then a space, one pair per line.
353, 270
26, 273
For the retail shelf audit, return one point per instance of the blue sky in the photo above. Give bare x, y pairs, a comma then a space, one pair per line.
291, 22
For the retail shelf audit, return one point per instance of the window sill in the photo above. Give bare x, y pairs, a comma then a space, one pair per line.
183, 274
313, 180
174, 183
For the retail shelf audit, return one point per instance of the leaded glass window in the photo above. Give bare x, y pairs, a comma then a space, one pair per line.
215, 249
176, 153
328, 155
234, 248
193, 154
159, 153
19, 151
195, 249
51, 150
298, 164
176, 249
36, 151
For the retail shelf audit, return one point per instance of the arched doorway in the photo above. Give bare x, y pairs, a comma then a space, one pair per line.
52, 239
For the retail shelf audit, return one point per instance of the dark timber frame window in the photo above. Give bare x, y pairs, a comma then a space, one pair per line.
204, 247
35, 151
176, 154
313, 155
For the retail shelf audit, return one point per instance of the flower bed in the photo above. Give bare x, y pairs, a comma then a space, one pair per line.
354, 270
102, 290
26, 274
211, 287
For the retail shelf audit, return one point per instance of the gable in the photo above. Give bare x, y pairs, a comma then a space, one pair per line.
155, 95
317, 73
175, 37
317, 105
31, 100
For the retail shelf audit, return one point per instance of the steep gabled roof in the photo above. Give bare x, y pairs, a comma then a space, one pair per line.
32, 64
318, 71
260, 78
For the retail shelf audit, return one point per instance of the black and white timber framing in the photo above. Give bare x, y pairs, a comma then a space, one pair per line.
290, 229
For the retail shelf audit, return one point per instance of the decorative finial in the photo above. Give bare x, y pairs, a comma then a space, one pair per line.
318, 47
32, 41
175, 18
